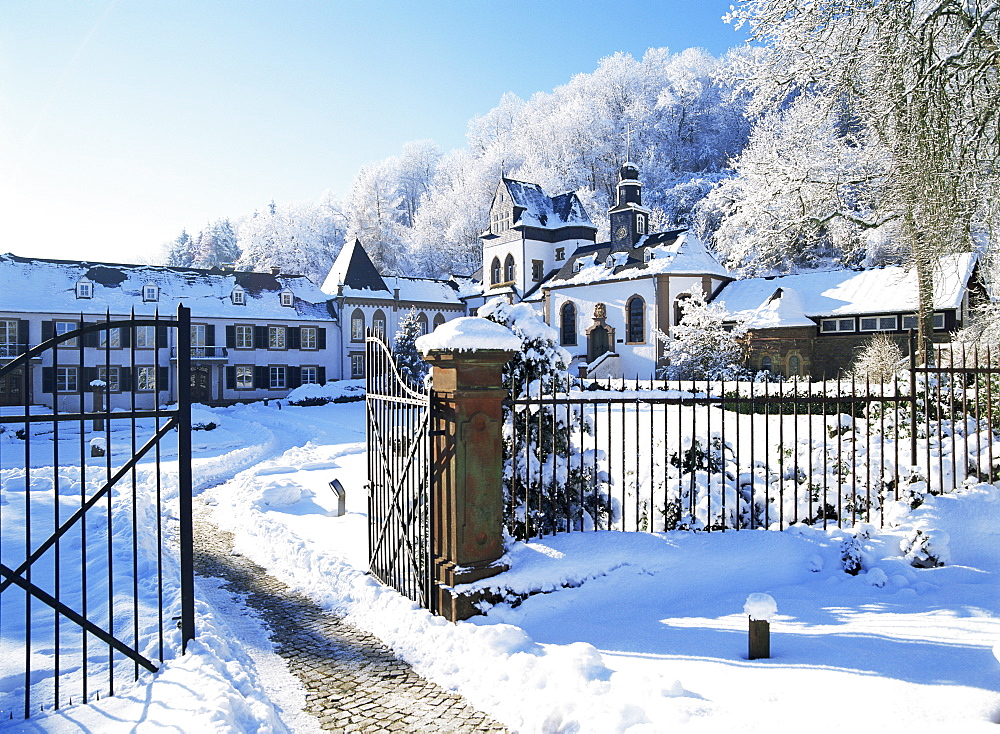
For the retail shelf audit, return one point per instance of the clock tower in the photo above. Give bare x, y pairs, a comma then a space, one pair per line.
629, 218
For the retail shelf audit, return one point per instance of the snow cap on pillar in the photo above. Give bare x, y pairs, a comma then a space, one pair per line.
469, 334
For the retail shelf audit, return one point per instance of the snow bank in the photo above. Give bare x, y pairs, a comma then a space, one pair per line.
340, 391
469, 334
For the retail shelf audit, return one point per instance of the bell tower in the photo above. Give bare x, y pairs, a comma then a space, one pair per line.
629, 218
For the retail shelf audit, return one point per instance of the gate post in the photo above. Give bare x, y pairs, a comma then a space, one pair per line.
467, 469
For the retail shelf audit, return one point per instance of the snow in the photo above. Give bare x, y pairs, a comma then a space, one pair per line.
846, 292
469, 334
589, 632
761, 607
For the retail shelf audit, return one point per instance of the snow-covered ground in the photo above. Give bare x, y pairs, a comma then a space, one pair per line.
637, 632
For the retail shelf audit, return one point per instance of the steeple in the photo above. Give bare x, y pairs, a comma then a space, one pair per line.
629, 219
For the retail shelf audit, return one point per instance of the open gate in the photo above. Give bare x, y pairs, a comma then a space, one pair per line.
96, 572
398, 419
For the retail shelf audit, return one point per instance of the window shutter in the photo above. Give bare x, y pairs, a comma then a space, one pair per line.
230, 378
48, 331
260, 337
210, 335
163, 379
89, 375
161, 336
294, 338
22, 336
260, 380
321, 375
126, 337
294, 377
125, 378
231, 338
91, 339
48, 378
321, 338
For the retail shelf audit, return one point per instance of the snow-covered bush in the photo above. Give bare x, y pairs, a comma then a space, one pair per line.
879, 360
701, 348
410, 364
551, 483
925, 548
852, 555
338, 391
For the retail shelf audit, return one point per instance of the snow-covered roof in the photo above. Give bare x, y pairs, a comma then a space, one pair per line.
354, 275
674, 253
38, 285
843, 292
544, 211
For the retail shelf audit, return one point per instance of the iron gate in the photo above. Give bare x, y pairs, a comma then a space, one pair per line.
96, 572
398, 419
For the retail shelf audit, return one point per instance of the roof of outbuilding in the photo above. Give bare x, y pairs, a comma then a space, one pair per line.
49, 286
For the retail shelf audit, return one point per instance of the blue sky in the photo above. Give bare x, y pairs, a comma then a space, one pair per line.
123, 121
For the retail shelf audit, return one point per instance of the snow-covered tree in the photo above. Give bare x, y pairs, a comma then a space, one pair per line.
216, 245
701, 348
879, 360
408, 360
180, 252
549, 486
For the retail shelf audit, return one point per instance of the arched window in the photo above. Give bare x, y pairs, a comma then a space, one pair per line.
568, 324
358, 325
680, 304
495, 271
794, 365
438, 320
422, 322
766, 364
635, 315
508, 269
378, 322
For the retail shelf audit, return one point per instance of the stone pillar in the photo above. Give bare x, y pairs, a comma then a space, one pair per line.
467, 473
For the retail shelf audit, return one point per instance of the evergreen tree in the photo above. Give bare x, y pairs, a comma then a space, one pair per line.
180, 252
408, 361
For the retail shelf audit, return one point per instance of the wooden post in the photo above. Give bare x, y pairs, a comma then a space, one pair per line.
99, 406
760, 639
467, 474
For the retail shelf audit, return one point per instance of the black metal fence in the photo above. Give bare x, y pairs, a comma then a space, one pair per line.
398, 416
657, 455
96, 573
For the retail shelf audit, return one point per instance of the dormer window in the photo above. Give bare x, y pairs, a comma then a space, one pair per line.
577, 266
150, 292
610, 262
238, 296
84, 288
287, 299
647, 256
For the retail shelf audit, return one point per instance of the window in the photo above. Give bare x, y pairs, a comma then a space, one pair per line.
277, 377
794, 365
8, 338
567, 324
244, 336
508, 269
640, 225
536, 269
422, 323
438, 320
635, 314
378, 322
357, 365
647, 255
287, 299
878, 323
62, 327
198, 337
110, 338
238, 296
308, 338
495, 271
145, 337
309, 375
610, 262
910, 322
766, 364
828, 326
150, 292
84, 289
577, 266
66, 379
275, 337
145, 379
244, 377
560, 253
110, 377
358, 326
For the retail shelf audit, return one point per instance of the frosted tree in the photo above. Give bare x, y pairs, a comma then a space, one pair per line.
549, 485
216, 245
701, 347
922, 76
408, 360
375, 214
180, 252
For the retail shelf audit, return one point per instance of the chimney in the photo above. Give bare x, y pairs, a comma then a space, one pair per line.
275, 271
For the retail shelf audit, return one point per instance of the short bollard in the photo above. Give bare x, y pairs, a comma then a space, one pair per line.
338, 489
760, 608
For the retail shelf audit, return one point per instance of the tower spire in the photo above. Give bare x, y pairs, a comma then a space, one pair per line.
628, 141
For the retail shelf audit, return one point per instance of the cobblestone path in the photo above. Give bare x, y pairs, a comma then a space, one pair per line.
353, 682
